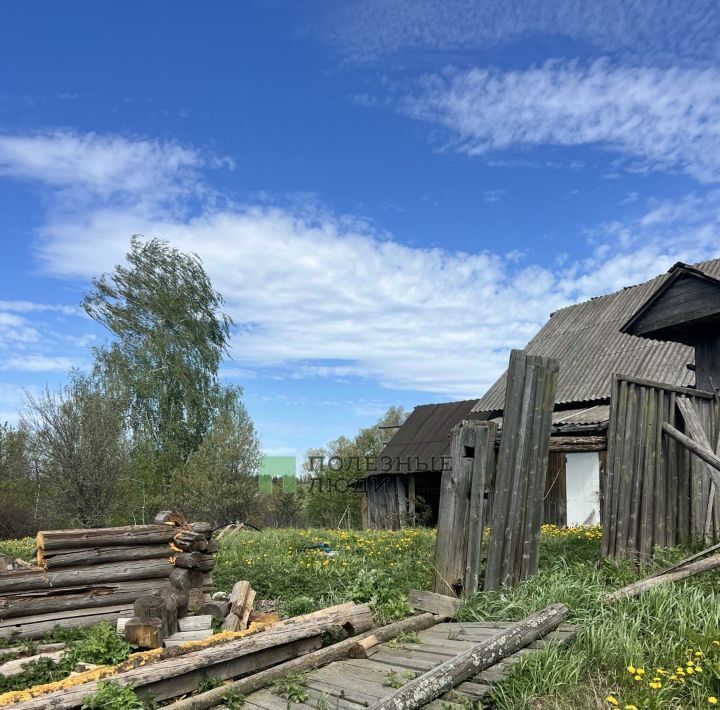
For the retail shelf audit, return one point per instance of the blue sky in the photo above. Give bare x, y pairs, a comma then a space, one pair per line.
390, 194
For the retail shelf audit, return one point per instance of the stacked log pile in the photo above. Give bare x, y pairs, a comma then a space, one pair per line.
89, 575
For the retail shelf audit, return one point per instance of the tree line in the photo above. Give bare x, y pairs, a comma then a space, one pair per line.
151, 425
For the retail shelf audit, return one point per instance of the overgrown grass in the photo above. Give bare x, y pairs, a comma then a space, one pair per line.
373, 566
656, 632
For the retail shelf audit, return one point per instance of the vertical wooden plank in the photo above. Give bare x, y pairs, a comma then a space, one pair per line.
514, 522
638, 471
644, 543
453, 514
660, 488
521, 469
627, 466
412, 499
616, 449
543, 423
506, 458
671, 526
482, 468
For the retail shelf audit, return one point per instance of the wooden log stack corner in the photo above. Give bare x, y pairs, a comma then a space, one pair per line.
103, 574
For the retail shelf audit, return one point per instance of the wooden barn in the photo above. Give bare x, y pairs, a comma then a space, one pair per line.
648, 333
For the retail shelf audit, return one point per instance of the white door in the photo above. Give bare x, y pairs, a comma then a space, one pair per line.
582, 475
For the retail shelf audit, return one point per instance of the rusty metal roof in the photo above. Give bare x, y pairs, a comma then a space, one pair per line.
587, 341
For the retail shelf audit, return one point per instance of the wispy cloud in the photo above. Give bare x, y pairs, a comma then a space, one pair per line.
103, 164
341, 300
40, 363
365, 30
659, 119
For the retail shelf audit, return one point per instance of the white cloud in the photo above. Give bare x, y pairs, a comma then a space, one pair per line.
325, 296
103, 164
659, 118
367, 29
39, 363
32, 307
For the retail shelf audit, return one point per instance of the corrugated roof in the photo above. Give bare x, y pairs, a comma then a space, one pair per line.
587, 341
593, 414
425, 434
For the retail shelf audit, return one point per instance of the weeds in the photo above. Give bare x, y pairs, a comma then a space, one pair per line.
291, 687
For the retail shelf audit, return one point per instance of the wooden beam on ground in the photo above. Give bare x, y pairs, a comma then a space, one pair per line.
689, 570
446, 676
313, 660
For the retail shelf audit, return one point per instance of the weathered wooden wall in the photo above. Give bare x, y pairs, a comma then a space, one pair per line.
655, 493
555, 499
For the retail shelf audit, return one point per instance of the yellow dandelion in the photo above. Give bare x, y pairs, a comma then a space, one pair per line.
712, 700
612, 700
631, 670
655, 686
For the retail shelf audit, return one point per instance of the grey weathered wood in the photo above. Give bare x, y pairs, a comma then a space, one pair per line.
39, 625
312, 660
46, 601
20, 580
440, 604
103, 537
483, 466
555, 503
103, 555
699, 450
687, 570
437, 681
453, 514
521, 470
173, 676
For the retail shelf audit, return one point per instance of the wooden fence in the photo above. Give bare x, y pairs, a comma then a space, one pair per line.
656, 493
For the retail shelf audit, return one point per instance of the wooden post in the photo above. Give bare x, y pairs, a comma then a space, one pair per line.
521, 469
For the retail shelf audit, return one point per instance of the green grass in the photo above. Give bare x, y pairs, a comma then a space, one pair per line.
377, 567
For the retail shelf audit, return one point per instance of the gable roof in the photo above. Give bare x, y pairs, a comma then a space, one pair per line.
425, 434
684, 307
587, 340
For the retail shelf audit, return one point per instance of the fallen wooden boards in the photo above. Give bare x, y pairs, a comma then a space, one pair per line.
435, 682
521, 468
170, 677
353, 684
305, 663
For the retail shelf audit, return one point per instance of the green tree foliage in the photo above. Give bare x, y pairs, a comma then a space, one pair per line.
337, 503
170, 337
219, 481
18, 489
79, 450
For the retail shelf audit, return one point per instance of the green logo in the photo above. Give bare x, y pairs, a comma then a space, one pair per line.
272, 467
